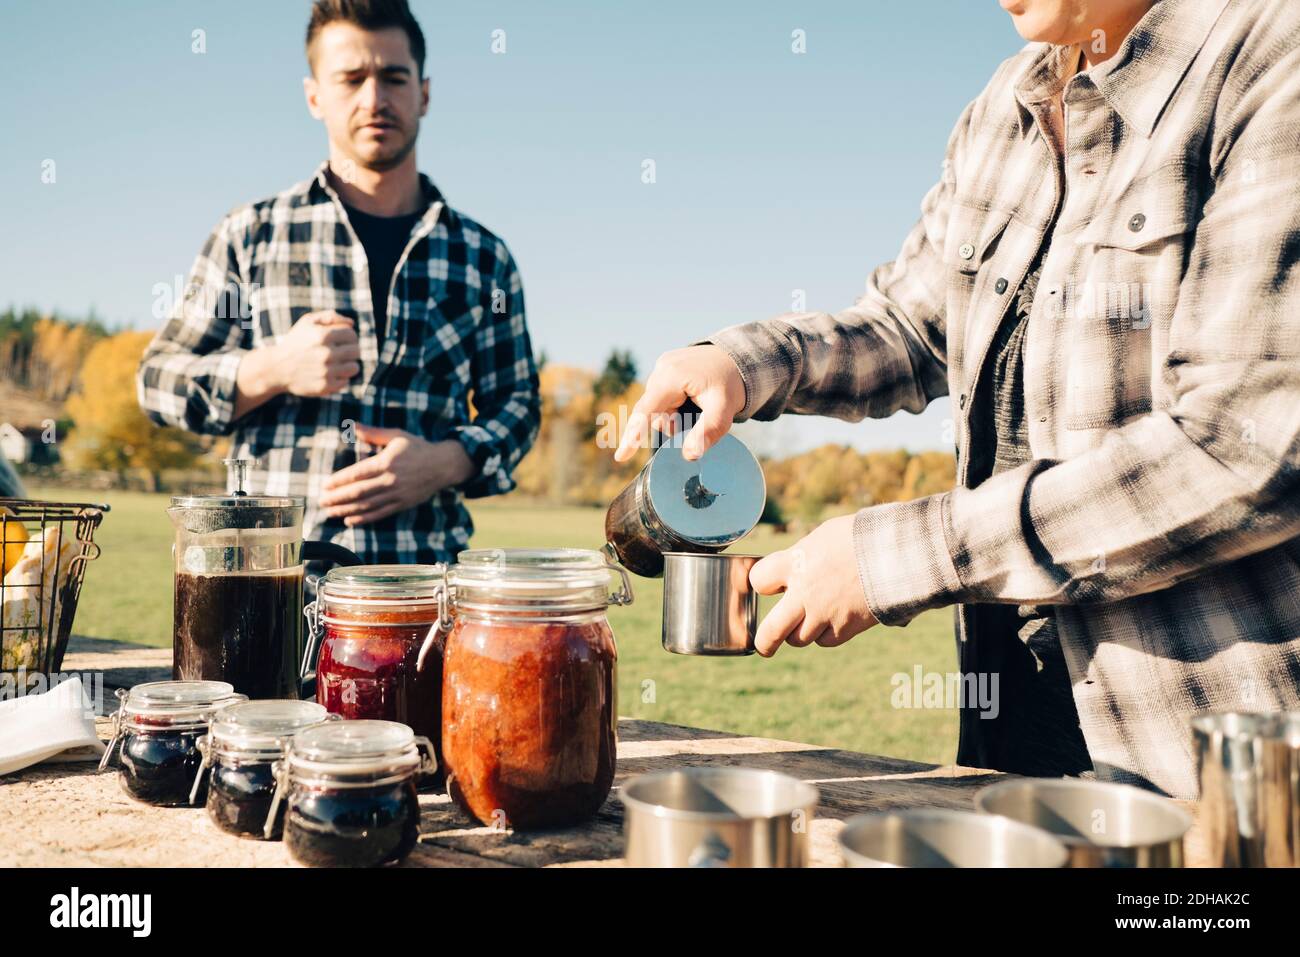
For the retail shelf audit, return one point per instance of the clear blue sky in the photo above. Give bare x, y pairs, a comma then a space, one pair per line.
775, 171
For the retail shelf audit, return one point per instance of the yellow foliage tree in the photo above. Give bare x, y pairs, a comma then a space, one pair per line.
109, 430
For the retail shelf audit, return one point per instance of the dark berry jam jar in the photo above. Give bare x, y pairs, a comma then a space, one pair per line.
156, 729
239, 753
529, 701
348, 789
380, 647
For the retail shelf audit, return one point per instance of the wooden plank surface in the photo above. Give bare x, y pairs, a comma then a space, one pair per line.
67, 814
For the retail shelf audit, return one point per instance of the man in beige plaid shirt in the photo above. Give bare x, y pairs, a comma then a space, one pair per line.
1106, 281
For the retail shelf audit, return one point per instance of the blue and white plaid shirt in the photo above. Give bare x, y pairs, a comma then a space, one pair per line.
456, 334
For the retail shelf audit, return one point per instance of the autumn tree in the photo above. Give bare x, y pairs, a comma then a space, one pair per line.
109, 429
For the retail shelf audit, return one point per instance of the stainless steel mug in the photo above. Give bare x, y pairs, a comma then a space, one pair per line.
717, 817
1100, 824
1249, 771
709, 606
940, 838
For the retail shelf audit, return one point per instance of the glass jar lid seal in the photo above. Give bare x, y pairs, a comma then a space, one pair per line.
520, 578
381, 582
263, 725
528, 568
362, 743
179, 699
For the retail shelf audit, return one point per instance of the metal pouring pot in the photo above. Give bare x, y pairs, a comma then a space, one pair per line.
674, 505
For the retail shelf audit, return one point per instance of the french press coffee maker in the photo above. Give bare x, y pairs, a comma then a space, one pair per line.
238, 596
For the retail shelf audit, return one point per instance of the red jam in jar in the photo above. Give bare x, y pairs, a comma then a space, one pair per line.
380, 648
530, 708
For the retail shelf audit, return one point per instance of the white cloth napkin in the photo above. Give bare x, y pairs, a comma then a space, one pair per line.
35, 728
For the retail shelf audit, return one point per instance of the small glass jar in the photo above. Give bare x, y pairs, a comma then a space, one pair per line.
156, 729
348, 788
239, 753
380, 647
530, 700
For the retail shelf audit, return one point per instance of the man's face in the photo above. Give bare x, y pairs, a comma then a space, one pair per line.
1066, 22
366, 89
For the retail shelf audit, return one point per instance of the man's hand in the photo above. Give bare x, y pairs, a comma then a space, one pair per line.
704, 374
320, 355
823, 601
317, 357
405, 472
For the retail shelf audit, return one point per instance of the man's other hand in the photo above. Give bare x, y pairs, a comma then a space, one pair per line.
405, 472
824, 602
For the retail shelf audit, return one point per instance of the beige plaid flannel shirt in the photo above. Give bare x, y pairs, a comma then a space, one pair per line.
1161, 513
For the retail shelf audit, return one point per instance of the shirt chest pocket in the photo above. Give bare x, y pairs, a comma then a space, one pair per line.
447, 337
1123, 297
970, 248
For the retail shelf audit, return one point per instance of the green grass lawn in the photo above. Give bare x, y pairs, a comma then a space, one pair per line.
830, 696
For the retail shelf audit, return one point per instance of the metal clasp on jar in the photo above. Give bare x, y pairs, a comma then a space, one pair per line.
444, 622
205, 749
624, 595
118, 731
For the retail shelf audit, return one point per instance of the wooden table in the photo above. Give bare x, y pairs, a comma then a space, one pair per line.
66, 814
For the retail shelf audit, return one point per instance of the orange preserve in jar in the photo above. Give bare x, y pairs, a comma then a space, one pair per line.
529, 697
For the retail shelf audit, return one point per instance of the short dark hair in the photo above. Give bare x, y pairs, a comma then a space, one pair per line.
368, 15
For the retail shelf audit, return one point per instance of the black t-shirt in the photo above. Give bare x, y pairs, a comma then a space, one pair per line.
1036, 731
384, 238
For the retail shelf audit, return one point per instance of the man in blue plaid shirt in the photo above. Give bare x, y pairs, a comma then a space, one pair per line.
340, 330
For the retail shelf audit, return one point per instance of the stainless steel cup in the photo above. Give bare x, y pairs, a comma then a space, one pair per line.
709, 606
940, 838
1249, 771
717, 817
1100, 824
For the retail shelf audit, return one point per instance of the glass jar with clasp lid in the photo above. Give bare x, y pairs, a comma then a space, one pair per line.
380, 647
243, 742
349, 794
156, 729
530, 690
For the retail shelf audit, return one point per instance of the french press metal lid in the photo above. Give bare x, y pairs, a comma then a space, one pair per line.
237, 532
676, 505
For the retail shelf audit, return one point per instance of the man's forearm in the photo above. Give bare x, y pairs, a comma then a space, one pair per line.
258, 380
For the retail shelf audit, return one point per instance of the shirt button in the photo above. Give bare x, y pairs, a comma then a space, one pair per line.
961, 401
1000, 286
1137, 222
966, 251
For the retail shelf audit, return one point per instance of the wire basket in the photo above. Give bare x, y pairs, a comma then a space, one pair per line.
37, 609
